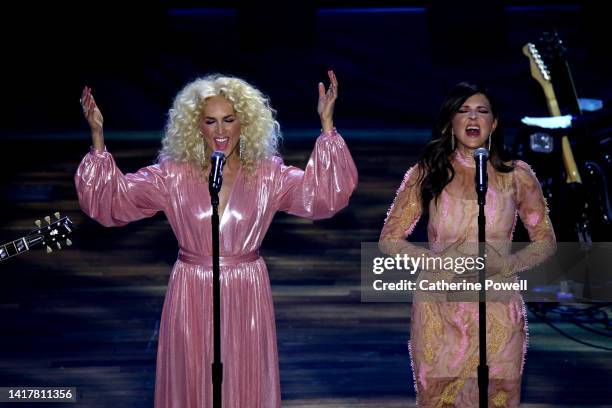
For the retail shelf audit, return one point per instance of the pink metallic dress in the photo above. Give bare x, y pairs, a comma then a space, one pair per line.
444, 332
248, 342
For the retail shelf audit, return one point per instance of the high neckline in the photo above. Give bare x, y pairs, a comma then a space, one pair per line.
464, 160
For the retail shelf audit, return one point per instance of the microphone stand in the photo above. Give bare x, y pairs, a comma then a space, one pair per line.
483, 368
214, 186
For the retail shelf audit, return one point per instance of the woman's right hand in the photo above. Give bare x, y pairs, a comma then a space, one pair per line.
94, 118
327, 100
453, 251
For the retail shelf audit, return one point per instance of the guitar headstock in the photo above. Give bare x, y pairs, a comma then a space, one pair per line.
539, 70
55, 235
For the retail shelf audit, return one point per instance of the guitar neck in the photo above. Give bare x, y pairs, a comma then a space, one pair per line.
551, 99
573, 175
13, 248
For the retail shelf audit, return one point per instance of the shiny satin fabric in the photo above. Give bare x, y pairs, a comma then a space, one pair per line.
185, 349
444, 334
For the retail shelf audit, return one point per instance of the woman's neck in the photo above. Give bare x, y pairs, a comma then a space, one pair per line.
232, 165
232, 162
466, 151
464, 156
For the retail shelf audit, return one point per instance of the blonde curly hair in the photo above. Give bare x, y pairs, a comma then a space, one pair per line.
260, 132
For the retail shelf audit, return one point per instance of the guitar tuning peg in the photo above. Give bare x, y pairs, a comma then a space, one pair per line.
68, 242
49, 250
38, 223
57, 215
48, 219
58, 245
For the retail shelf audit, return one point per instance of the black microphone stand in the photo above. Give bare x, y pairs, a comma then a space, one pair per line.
214, 186
483, 368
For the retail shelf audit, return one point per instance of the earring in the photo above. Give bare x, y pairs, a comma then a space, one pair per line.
452, 141
241, 143
491, 134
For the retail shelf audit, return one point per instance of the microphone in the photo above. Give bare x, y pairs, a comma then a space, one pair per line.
480, 157
217, 160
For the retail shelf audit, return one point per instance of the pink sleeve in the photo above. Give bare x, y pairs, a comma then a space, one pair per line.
403, 217
114, 199
324, 187
533, 211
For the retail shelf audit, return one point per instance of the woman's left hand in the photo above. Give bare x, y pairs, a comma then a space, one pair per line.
327, 100
497, 265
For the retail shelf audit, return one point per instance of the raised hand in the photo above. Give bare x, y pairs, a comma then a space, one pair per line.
327, 100
93, 116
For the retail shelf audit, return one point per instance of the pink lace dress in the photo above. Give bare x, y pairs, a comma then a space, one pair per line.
444, 334
248, 342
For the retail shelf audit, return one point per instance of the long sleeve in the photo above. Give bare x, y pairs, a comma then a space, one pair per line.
533, 211
402, 217
324, 187
114, 199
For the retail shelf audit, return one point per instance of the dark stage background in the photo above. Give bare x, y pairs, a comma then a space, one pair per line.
88, 316
395, 61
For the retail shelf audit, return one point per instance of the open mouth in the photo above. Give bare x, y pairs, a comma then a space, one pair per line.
473, 131
221, 143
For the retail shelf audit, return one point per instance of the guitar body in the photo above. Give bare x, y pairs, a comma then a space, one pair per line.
595, 158
587, 203
582, 190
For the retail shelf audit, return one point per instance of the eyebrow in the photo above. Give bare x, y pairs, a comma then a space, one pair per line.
477, 107
225, 117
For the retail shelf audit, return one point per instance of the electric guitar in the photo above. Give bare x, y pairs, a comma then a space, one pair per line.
54, 235
542, 74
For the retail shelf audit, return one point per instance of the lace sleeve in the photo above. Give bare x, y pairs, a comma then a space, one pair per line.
402, 217
533, 211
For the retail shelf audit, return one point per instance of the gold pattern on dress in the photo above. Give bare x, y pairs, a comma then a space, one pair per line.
501, 399
402, 218
410, 205
505, 181
449, 394
498, 335
432, 326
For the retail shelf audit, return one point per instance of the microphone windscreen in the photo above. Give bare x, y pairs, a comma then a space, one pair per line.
217, 156
217, 160
481, 152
